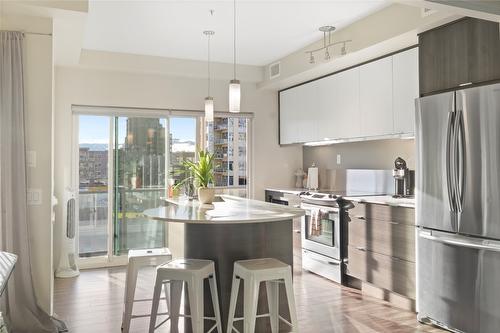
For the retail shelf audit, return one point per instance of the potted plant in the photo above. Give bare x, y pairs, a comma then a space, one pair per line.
203, 174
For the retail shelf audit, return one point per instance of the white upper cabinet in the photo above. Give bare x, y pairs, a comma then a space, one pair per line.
405, 90
339, 106
289, 121
298, 114
372, 100
375, 97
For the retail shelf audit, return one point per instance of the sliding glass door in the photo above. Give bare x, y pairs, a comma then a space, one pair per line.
139, 165
124, 165
93, 185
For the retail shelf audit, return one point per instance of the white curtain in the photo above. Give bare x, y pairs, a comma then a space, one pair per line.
23, 313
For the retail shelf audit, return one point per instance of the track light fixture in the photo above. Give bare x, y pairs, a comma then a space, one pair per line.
327, 44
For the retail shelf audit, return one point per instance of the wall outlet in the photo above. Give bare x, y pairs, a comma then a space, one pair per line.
34, 197
339, 160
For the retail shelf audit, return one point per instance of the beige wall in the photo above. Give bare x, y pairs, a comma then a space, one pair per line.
378, 154
272, 165
388, 30
38, 75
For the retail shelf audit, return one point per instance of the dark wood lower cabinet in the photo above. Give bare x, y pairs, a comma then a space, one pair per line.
381, 250
388, 238
386, 272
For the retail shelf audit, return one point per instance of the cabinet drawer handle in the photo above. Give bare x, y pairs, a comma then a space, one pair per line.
360, 217
360, 248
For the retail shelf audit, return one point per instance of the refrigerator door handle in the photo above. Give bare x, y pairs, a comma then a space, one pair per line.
462, 241
460, 159
449, 160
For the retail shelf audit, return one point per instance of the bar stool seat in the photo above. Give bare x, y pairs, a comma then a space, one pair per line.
271, 271
138, 259
192, 272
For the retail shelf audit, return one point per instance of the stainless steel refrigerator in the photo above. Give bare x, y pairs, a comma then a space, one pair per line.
458, 209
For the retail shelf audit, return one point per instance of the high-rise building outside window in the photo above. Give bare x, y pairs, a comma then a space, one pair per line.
227, 138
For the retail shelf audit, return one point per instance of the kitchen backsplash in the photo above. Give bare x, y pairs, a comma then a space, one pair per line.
378, 154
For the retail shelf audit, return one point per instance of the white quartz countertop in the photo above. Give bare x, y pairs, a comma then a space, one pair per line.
385, 200
225, 210
294, 191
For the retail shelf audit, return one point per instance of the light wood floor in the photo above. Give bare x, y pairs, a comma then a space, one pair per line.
93, 303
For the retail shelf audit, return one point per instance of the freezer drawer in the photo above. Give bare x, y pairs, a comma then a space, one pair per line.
458, 282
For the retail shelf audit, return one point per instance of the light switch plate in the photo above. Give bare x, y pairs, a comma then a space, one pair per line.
34, 197
31, 159
338, 159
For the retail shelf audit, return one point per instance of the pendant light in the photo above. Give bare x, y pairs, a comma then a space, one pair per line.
234, 84
209, 101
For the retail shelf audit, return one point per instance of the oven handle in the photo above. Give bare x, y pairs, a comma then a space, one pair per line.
327, 209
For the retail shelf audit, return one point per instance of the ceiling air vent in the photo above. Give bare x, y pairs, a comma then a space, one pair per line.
274, 70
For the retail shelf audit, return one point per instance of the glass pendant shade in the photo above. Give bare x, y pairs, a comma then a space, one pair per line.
209, 109
234, 96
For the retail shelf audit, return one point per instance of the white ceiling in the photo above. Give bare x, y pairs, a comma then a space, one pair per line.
266, 30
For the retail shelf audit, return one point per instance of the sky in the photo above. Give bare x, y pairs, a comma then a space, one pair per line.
95, 129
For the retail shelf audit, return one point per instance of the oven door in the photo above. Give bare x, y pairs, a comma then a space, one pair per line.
320, 230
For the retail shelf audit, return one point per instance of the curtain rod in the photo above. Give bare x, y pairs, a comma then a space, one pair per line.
35, 33
31, 33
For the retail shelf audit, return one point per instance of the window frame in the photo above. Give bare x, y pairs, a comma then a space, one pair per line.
110, 260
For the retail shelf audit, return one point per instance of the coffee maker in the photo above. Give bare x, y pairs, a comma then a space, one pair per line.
404, 179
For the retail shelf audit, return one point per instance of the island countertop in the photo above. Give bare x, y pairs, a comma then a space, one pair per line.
226, 209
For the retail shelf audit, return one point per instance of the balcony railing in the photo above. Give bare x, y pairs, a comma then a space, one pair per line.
131, 229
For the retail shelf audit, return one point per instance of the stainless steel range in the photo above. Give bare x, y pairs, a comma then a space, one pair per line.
323, 245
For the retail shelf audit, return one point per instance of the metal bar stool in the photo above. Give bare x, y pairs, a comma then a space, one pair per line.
253, 272
138, 259
193, 272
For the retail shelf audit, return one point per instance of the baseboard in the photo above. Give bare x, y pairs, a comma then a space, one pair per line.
388, 296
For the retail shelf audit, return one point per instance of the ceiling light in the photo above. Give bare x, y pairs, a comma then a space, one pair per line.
327, 44
234, 84
209, 109
209, 101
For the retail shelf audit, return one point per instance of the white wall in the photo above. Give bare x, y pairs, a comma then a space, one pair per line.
272, 165
38, 78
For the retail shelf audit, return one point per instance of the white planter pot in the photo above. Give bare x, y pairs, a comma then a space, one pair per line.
206, 195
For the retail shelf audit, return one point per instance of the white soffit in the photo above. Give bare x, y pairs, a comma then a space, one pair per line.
266, 30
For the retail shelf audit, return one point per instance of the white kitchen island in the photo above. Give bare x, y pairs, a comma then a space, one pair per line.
231, 229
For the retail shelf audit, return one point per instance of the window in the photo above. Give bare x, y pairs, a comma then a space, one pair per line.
139, 182
116, 185
127, 161
93, 185
227, 138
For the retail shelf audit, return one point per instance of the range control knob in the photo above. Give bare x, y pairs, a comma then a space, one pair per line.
332, 196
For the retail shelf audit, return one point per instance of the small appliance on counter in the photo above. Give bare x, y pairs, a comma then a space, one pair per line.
299, 178
312, 177
404, 179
